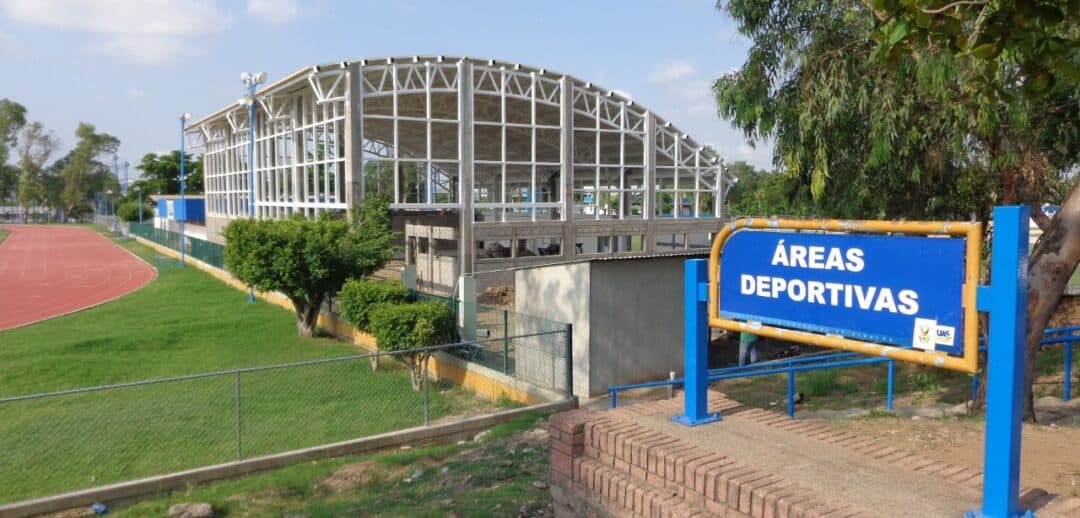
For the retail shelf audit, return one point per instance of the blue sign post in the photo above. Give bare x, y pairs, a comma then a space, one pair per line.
1006, 300
909, 292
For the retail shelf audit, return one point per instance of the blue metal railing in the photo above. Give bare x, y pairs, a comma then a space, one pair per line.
782, 366
822, 361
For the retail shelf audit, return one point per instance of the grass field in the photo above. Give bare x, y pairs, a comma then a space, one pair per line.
185, 322
491, 478
3, 234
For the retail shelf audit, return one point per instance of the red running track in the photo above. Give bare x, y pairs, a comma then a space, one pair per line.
48, 271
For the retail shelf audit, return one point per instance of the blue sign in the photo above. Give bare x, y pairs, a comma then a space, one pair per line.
904, 291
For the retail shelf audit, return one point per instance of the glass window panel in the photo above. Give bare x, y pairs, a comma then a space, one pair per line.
705, 204
379, 178
375, 105
518, 184
444, 105
412, 182
488, 183
609, 147
412, 139
487, 214
584, 205
665, 178
486, 108
548, 145
687, 179
412, 105
444, 140
548, 115
665, 204
584, 146
518, 111
610, 177
488, 142
548, 184
518, 144
381, 130
444, 182
686, 204
634, 150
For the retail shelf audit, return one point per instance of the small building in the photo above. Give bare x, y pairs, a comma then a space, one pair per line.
627, 314
169, 210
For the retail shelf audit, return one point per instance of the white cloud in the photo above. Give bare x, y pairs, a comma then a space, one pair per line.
141, 31
136, 92
274, 11
671, 71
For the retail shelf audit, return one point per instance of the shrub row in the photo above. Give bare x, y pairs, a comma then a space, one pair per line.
383, 309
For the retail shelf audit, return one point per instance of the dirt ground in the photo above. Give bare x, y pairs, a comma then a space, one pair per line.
1050, 458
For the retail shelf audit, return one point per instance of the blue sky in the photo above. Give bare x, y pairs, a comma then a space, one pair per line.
131, 66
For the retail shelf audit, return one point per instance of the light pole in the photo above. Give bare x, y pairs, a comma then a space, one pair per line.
183, 207
251, 82
138, 190
124, 186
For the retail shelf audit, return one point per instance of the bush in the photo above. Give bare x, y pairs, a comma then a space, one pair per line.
399, 327
129, 211
358, 297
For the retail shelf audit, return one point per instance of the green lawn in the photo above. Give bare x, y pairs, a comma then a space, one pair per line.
185, 322
3, 234
491, 478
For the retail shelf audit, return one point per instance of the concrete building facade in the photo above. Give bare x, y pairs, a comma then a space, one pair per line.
627, 314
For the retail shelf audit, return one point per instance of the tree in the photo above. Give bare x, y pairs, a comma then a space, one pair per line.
161, 173
35, 146
12, 120
405, 327
81, 168
308, 259
1035, 45
874, 119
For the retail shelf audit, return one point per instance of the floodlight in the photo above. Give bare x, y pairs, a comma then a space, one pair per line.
185, 116
246, 100
245, 77
260, 78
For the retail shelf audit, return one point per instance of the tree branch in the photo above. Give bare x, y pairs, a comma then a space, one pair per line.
952, 5
1040, 217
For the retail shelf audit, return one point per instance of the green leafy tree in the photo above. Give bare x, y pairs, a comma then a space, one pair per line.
81, 167
35, 146
1024, 54
358, 297
888, 111
402, 327
308, 259
12, 120
161, 173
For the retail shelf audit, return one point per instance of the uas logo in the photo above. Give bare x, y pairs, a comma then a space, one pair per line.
925, 335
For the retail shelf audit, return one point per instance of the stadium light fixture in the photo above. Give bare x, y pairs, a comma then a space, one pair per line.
184, 117
251, 82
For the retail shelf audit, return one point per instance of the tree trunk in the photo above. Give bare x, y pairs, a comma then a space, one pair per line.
307, 314
415, 371
1051, 264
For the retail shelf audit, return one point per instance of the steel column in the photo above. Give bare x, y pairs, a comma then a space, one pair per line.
696, 345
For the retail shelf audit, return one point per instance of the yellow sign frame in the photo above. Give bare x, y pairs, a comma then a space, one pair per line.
971, 231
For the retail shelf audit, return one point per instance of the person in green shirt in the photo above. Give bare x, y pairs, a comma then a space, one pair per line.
747, 343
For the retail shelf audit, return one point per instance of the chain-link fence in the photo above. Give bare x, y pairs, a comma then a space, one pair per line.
110, 222
536, 356
206, 251
74, 439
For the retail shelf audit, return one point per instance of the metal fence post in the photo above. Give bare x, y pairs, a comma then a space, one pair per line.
891, 384
426, 389
506, 342
1068, 370
239, 436
569, 361
791, 390
695, 345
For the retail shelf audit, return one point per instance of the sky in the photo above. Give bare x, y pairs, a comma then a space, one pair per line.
130, 67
